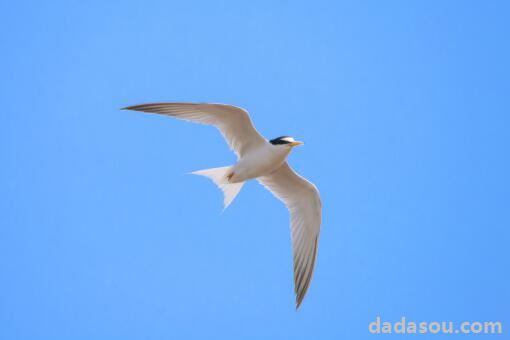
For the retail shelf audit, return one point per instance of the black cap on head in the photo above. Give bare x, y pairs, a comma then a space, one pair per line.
282, 140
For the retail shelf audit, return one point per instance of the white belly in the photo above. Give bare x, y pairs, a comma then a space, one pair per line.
260, 162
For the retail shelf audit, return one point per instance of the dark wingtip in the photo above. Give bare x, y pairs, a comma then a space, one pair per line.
299, 300
298, 303
142, 107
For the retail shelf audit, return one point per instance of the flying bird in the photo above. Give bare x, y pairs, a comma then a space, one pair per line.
263, 160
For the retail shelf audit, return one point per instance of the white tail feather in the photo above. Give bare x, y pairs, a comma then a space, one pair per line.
219, 177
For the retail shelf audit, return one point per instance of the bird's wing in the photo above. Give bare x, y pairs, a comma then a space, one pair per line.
233, 122
303, 201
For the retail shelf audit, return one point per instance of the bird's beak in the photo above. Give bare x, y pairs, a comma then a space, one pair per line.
296, 143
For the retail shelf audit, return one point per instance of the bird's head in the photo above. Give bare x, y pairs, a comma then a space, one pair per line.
285, 141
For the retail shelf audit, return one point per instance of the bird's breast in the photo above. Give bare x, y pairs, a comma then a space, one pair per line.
260, 162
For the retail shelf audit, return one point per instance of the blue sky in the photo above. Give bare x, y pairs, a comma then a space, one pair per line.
404, 108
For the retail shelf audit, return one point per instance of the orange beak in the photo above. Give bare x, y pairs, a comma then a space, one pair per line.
296, 143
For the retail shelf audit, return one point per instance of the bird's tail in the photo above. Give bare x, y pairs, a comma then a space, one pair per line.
220, 177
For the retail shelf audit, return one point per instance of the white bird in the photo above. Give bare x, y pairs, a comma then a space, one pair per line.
265, 161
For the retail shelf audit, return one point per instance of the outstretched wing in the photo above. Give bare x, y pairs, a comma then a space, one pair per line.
233, 122
303, 201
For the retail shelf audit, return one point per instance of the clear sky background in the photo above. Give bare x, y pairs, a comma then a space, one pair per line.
404, 108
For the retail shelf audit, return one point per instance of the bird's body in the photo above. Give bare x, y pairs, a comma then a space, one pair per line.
259, 161
265, 161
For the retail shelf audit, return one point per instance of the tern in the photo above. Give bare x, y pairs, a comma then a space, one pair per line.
263, 160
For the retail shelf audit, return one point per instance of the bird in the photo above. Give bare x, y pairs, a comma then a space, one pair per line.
265, 161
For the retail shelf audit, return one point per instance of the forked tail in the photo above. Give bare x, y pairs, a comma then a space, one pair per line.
220, 177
